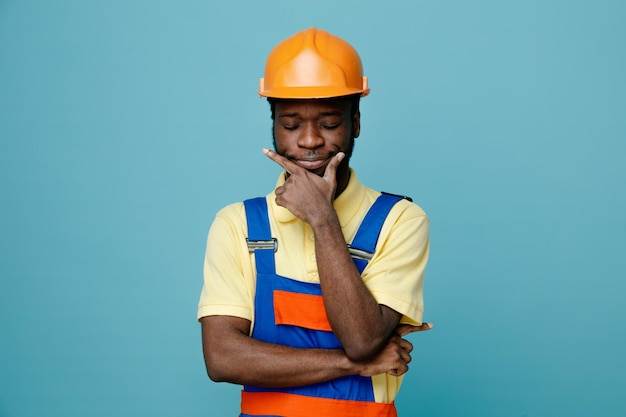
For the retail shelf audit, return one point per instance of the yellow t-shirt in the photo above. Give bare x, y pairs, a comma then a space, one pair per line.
394, 275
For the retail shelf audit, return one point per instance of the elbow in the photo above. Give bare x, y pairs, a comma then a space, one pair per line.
216, 371
216, 376
219, 335
213, 372
360, 352
219, 366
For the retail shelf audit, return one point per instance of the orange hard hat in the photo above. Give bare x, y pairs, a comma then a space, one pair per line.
313, 64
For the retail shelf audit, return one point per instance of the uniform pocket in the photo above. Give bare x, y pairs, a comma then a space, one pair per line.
303, 310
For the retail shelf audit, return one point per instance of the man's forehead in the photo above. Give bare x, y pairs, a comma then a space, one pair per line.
330, 106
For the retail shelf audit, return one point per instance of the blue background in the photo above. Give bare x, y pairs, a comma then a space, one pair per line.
125, 126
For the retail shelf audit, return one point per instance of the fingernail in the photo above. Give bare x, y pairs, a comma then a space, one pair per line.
266, 151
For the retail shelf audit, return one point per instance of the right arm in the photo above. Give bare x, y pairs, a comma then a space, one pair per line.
231, 355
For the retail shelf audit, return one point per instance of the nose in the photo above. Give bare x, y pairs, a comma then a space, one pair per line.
310, 137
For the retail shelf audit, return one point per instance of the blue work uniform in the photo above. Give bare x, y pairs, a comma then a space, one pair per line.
290, 312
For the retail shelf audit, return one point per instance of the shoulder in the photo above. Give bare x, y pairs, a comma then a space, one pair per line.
406, 222
229, 221
404, 208
407, 208
233, 210
233, 216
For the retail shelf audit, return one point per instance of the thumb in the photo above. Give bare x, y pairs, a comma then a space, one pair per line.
404, 329
330, 174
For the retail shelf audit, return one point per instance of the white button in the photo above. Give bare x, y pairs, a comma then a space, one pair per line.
312, 236
313, 258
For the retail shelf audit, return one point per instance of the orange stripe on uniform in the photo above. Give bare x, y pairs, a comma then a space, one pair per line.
291, 405
302, 310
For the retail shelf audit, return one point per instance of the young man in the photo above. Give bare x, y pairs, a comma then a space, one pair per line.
309, 290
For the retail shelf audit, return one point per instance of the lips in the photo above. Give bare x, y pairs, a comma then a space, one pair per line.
311, 164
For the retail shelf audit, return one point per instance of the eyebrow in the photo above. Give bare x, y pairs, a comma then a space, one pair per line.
332, 113
292, 114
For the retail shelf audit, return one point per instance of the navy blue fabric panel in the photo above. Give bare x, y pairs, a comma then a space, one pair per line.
259, 229
352, 387
257, 218
360, 264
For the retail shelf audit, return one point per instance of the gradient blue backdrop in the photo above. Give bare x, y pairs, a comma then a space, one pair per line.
125, 125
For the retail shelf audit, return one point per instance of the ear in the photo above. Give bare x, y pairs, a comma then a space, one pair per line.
356, 124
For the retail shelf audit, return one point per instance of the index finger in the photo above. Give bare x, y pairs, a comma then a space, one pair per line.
280, 160
404, 329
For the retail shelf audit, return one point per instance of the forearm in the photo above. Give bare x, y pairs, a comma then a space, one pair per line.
233, 356
360, 323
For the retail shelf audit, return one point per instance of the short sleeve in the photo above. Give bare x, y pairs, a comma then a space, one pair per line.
395, 275
227, 275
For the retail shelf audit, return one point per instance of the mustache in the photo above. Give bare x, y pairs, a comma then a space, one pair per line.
311, 155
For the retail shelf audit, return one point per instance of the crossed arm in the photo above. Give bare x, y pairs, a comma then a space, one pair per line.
369, 333
231, 355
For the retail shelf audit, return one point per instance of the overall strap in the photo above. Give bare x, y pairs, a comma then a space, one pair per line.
364, 244
260, 239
